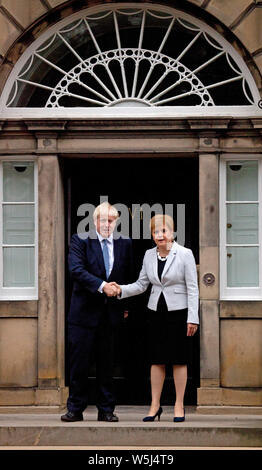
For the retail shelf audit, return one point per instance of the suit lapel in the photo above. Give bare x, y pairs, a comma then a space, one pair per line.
98, 252
171, 258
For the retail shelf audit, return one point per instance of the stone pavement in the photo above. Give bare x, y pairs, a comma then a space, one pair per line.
231, 428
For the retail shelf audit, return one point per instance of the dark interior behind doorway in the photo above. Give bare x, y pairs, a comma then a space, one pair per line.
163, 180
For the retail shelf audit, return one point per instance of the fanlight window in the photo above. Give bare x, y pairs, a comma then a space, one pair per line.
139, 56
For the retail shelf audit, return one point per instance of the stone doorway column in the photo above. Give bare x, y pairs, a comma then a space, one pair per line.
209, 272
51, 282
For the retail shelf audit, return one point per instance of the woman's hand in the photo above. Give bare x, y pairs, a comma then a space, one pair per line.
116, 287
110, 289
191, 329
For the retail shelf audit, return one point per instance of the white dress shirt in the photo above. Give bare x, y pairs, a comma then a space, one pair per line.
110, 246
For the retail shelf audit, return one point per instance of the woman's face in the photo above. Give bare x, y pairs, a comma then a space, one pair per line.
162, 236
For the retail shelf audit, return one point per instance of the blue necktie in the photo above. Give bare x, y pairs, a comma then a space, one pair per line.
106, 257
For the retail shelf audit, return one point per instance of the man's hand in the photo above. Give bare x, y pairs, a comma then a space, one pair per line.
113, 288
116, 286
110, 290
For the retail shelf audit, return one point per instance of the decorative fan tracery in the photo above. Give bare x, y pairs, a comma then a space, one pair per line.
131, 56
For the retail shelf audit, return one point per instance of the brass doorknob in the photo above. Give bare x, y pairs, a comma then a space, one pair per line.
229, 225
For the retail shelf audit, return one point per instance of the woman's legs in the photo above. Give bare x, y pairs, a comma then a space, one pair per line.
157, 374
180, 380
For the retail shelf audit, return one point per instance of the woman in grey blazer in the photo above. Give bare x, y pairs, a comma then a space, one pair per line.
173, 310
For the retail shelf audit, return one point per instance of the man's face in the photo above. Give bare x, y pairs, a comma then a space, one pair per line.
105, 224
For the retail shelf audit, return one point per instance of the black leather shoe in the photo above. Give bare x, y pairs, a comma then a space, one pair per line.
70, 417
107, 416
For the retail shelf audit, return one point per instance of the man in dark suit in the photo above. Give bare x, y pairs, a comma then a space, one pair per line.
95, 261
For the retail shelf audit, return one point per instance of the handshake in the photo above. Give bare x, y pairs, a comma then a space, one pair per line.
112, 289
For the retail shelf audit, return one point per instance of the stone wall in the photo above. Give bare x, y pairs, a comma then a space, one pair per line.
32, 333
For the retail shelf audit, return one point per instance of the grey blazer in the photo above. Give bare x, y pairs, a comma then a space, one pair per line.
178, 282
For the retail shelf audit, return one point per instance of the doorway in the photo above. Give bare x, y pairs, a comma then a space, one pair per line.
134, 181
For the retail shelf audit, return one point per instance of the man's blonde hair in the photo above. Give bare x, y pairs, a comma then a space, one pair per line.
162, 219
105, 209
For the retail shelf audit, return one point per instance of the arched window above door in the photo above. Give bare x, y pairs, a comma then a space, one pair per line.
128, 56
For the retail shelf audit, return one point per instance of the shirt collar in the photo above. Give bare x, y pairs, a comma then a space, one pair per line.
100, 238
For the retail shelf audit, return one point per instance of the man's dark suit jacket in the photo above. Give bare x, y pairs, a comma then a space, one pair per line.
87, 270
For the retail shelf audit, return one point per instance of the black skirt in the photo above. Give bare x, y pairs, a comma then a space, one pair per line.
168, 342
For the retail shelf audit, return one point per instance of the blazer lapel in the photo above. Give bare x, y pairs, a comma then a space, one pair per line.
155, 264
170, 259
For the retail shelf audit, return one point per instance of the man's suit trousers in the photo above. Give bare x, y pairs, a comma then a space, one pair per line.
85, 346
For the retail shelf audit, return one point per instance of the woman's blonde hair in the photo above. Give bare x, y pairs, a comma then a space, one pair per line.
162, 219
105, 208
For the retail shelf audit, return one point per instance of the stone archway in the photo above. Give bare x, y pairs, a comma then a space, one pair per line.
130, 55
22, 24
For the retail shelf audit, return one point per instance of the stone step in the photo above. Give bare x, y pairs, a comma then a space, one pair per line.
199, 430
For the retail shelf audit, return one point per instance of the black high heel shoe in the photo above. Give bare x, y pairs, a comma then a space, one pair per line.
152, 418
180, 419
